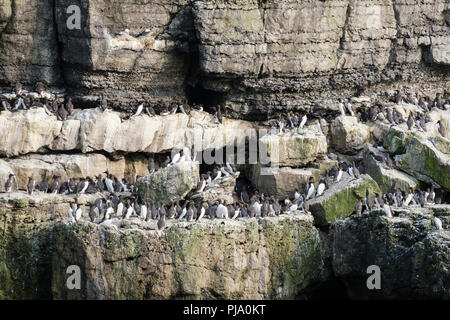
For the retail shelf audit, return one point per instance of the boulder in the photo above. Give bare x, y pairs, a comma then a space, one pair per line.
339, 201
292, 149
348, 135
221, 190
27, 131
283, 181
387, 179
425, 162
170, 183
411, 253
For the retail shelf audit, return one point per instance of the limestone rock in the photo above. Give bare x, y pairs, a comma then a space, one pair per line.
27, 131
170, 183
281, 181
92, 130
339, 201
348, 135
387, 179
293, 149
411, 254
246, 259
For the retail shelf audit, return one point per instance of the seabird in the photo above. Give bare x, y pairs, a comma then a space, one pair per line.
341, 108
78, 212
358, 206
93, 211
150, 111
103, 102
138, 111
162, 221
222, 211
54, 187
109, 212
167, 162
62, 113
151, 166
6, 105
320, 188
9, 183
109, 183
18, 88
311, 189
120, 206
349, 108
410, 121
303, 122
69, 106
82, 186
387, 210
71, 213
441, 128
30, 186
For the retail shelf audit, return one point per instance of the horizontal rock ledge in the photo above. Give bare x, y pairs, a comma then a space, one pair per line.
89, 130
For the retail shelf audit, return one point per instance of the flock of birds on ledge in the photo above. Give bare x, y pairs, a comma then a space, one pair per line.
21, 99
247, 202
383, 113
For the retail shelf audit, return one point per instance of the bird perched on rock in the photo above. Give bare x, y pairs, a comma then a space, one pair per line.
358, 206
9, 182
441, 128
162, 221
30, 186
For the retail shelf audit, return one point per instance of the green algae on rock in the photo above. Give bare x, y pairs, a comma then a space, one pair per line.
339, 201
387, 179
423, 160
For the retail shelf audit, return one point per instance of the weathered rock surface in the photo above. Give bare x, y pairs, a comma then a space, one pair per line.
26, 245
348, 135
294, 149
254, 57
284, 180
222, 189
387, 179
170, 183
91, 130
73, 166
244, 259
413, 256
339, 201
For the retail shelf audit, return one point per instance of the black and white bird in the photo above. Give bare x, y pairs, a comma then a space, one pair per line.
30, 186
9, 182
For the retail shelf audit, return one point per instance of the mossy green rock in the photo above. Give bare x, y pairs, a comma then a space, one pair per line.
339, 201
170, 183
413, 256
243, 259
387, 179
396, 140
424, 161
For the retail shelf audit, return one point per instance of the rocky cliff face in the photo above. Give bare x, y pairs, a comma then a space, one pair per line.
254, 57
276, 258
